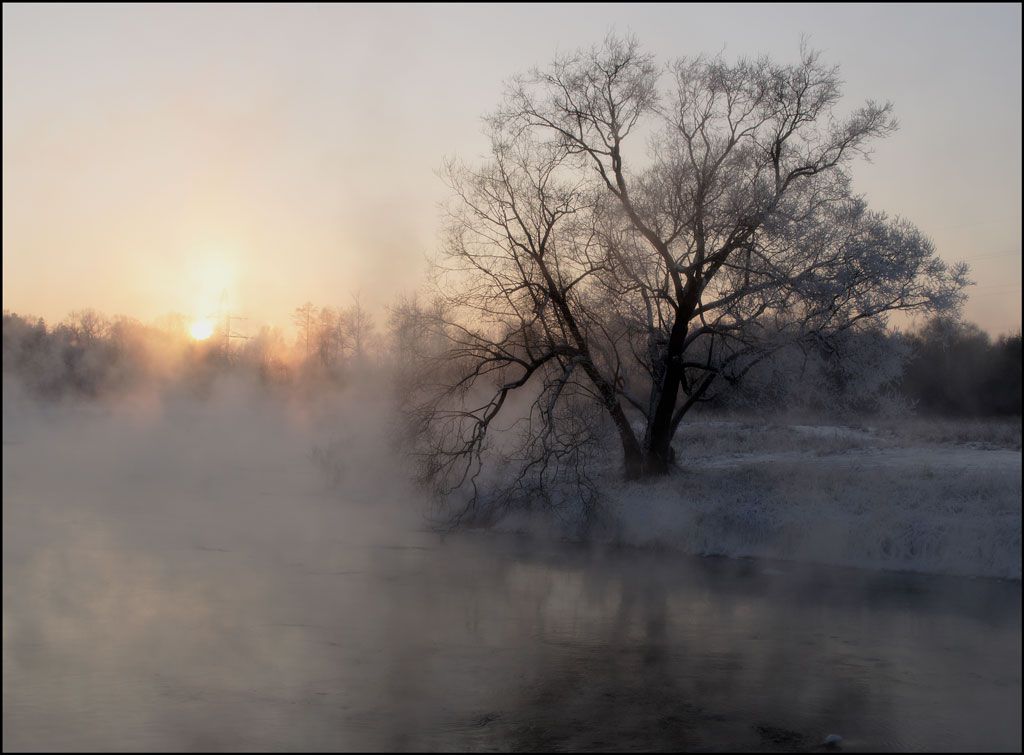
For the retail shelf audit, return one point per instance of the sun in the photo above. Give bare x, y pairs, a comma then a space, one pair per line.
201, 330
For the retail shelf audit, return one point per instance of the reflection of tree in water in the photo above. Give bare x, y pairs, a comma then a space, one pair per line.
620, 691
652, 675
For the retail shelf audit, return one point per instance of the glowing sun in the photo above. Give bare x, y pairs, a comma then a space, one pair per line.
201, 330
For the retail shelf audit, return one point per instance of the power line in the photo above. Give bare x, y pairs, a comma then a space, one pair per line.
224, 315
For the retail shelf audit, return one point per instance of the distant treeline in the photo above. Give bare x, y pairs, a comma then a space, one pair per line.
956, 369
947, 368
90, 355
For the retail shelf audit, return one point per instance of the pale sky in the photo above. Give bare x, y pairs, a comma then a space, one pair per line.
154, 155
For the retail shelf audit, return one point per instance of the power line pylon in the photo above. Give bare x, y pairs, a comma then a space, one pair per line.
224, 318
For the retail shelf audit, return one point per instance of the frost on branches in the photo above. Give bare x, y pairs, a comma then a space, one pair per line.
640, 237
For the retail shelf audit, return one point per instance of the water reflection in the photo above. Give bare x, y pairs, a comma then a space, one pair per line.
484, 643
224, 603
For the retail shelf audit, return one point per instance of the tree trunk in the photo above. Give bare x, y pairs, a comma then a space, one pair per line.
633, 462
658, 455
632, 455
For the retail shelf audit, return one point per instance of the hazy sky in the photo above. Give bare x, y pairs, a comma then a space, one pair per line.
154, 155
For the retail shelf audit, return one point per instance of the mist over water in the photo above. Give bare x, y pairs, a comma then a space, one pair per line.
248, 572
213, 537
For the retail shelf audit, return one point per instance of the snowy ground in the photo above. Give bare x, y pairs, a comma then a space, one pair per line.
941, 498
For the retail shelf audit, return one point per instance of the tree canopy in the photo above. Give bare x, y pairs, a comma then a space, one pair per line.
642, 233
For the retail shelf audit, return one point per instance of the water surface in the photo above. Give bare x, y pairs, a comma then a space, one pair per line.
190, 585
489, 643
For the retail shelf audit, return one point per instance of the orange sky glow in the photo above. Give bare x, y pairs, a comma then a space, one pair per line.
157, 158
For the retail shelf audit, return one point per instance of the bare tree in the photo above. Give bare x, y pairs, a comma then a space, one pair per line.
605, 280
358, 327
304, 318
329, 336
408, 337
86, 326
267, 353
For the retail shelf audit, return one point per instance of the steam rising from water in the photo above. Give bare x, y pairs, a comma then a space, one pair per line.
254, 573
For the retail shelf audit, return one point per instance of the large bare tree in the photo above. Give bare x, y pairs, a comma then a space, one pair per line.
642, 233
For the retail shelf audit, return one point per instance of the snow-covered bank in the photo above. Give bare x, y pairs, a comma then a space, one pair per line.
931, 497
849, 497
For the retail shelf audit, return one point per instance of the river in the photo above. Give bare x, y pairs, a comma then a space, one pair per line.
220, 603
496, 643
